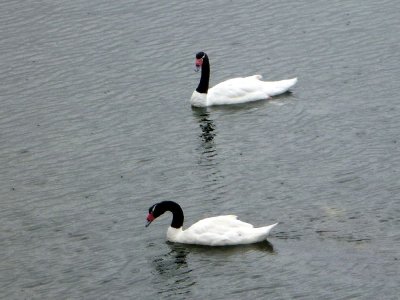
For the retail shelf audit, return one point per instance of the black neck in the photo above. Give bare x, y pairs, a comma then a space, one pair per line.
176, 210
205, 76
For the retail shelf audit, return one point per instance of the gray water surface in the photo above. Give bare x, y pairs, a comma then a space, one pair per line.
96, 126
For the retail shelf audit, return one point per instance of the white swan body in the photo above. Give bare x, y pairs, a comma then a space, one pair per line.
219, 231
215, 231
241, 90
236, 90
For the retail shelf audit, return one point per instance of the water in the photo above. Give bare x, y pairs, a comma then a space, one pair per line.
96, 127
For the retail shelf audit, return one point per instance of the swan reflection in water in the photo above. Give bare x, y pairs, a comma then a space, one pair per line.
264, 246
207, 128
174, 269
171, 262
208, 154
174, 274
175, 261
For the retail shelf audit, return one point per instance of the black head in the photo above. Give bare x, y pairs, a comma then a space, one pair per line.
153, 214
158, 209
200, 58
200, 55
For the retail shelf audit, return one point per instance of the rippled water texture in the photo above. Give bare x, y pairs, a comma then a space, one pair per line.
96, 126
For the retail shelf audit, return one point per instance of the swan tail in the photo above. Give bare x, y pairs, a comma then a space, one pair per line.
267, 229
273, 88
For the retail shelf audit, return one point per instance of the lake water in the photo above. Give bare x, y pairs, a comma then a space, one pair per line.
96, 126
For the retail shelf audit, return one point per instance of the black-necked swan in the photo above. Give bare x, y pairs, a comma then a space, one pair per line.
215, 231
236, 90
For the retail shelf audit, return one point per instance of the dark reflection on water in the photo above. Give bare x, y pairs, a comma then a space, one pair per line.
208, 133
210, 169
173, 268
172, 261
207, 127
173, 272
264, 246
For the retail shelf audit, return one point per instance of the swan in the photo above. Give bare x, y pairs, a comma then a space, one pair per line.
236, 90
215, 231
